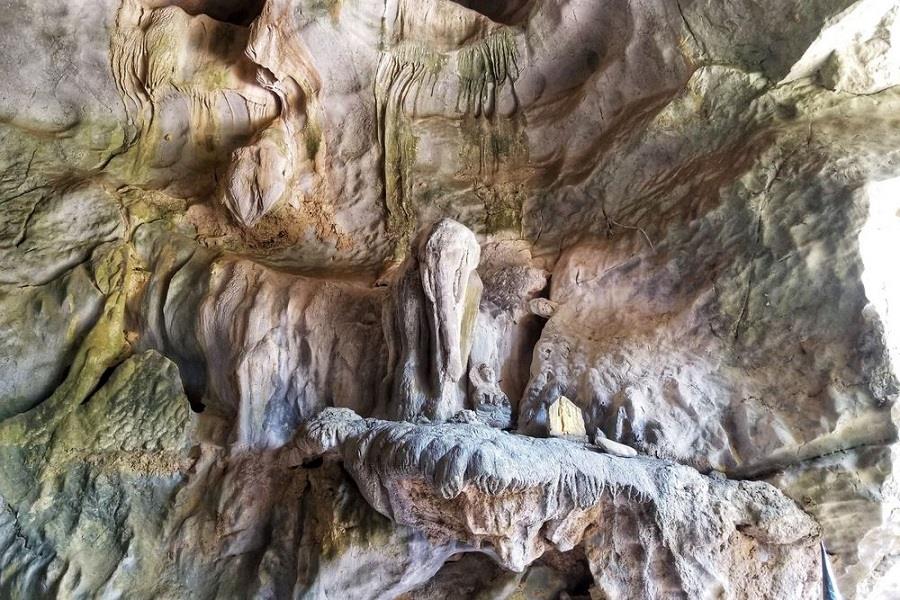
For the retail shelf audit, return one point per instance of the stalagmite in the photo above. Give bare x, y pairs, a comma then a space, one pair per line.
428, 325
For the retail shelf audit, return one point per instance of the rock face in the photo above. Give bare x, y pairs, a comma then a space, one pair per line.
291, 291
648, 526
259, 175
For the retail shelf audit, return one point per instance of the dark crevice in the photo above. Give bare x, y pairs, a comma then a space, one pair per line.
236, 12
687, 25
196, 404
102, 381
506, 12
193, 384
313, 463
763, 472
574, 567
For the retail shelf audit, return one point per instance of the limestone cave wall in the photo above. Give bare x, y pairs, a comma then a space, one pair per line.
449, 299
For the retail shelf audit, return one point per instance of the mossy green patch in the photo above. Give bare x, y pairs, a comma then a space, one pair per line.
494, 156
103, 347
401, 73
494, 148
33, 158
213, 79
312, 139
502, 207
484, 68
346, 519
330, 7
400, 156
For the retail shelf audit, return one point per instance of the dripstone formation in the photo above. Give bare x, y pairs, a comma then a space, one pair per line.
546, 299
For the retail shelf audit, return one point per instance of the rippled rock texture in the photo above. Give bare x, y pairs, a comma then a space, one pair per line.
288, 287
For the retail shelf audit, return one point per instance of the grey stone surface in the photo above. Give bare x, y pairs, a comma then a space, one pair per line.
513, 497
428, 323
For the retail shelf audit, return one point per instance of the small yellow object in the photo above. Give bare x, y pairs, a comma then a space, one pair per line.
566, 420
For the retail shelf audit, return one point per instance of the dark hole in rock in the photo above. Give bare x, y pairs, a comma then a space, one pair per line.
104, 378
196, 405
573, 564
508, 12
236, 12
314, 463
